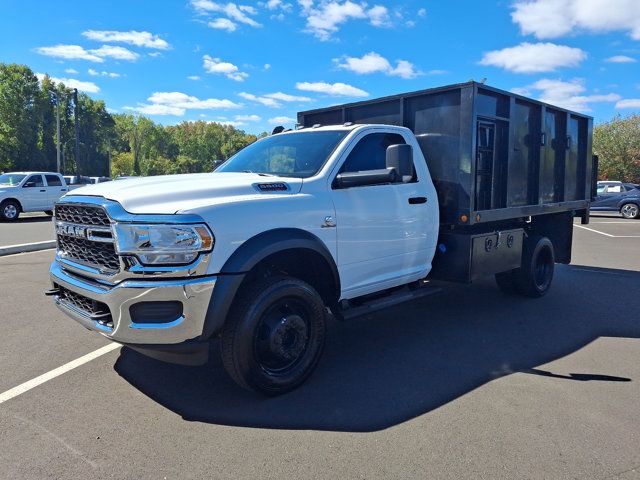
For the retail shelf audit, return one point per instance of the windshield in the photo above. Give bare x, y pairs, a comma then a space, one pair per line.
288, 155
11, 178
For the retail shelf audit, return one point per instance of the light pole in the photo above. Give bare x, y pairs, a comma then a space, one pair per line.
56, 94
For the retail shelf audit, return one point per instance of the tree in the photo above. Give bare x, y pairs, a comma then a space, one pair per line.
617, 144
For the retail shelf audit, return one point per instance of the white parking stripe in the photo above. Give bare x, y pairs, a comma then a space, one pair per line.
592, 230
56, 372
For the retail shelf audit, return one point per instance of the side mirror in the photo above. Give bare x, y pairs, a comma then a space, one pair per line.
400, 157
29, 184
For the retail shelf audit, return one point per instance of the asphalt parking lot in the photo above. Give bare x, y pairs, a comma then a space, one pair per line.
470, 383
29, 228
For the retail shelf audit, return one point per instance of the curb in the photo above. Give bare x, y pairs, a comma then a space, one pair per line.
27, 247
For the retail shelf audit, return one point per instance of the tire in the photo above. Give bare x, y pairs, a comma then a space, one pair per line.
534, 277
274, 335
507, 282
49, 212
9, 210
630, 210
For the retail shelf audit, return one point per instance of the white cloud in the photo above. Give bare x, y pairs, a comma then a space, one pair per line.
223, 24
119, 53
230, 123
267, 66
620, 59
325, 19
629, 103
281, 120
193, 77
569, 95
248, 118
373, 62
229, 70
71, 71
88, 87
267, 102
177, 103
286, 97
534, 57
422, 12
69, 52
555, 18
335, 89
239, 13
155, 54
132, 37
95, 73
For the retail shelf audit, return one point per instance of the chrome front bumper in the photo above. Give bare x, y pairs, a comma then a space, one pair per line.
194, 293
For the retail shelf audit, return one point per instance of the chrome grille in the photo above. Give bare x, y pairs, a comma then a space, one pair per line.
73, 243
81, 214
92, 308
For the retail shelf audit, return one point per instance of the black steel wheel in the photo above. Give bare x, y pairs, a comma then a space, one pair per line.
535, 275
274, 335
630, 210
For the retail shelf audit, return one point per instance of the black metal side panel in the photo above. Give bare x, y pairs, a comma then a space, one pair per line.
389, 113
436, 122
466, 257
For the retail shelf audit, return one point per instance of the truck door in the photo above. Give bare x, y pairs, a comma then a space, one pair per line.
381, 228
55, 189
34, 194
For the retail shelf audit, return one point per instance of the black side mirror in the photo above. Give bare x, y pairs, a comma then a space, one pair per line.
29, 184
400, 158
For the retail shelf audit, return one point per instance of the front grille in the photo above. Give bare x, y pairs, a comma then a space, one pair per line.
82, 214
100, 254
92, 308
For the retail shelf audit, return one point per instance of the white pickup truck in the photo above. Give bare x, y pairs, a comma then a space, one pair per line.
29, 192
334, 220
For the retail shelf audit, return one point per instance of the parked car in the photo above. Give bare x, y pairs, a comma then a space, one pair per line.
29, 192
614, 196
99, 179
77, 181
336, 219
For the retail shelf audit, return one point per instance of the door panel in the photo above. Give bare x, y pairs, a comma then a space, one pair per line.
34, 198
55, 189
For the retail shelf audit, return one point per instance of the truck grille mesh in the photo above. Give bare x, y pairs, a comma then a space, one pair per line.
101, 255
87, 305
82, 215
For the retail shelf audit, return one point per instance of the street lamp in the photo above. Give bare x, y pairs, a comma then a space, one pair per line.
56, 94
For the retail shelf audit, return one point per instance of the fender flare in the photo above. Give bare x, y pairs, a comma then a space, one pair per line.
247, 256
634, 200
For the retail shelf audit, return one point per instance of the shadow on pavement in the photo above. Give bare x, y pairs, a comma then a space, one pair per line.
38, 219
385, 369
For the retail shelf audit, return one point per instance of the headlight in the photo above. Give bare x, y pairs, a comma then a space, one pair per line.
163, 244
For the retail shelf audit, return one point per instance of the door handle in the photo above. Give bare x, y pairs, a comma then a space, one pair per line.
63, 189
417, 200
43, 190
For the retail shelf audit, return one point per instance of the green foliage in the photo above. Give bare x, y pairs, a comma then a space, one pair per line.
617, 144
135, 144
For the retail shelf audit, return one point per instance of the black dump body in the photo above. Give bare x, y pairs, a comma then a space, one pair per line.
493, 155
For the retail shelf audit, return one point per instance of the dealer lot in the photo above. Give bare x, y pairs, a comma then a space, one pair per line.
467, 384
29, 228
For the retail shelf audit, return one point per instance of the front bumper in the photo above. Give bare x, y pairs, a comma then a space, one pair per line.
194, 293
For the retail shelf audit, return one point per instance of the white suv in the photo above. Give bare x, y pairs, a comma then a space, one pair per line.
29, 192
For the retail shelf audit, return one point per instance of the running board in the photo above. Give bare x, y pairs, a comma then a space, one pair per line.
392, 300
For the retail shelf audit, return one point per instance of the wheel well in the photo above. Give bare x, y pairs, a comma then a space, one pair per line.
15, 200
627, 202
302, 263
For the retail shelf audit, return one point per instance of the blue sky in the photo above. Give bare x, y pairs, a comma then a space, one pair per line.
255, 64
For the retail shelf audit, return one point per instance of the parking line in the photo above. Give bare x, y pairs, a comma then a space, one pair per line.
56, 372
592, 230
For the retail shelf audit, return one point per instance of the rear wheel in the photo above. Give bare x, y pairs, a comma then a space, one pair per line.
9, 210
630, 210
274, 335
534, 277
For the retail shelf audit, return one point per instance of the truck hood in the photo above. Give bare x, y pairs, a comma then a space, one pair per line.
170, 194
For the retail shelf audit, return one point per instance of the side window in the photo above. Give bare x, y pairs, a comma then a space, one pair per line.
53, 180
614, 189
370, 152
601, 189
37, 179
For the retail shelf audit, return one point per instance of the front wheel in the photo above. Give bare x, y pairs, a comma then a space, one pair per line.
274, 335
630, 210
